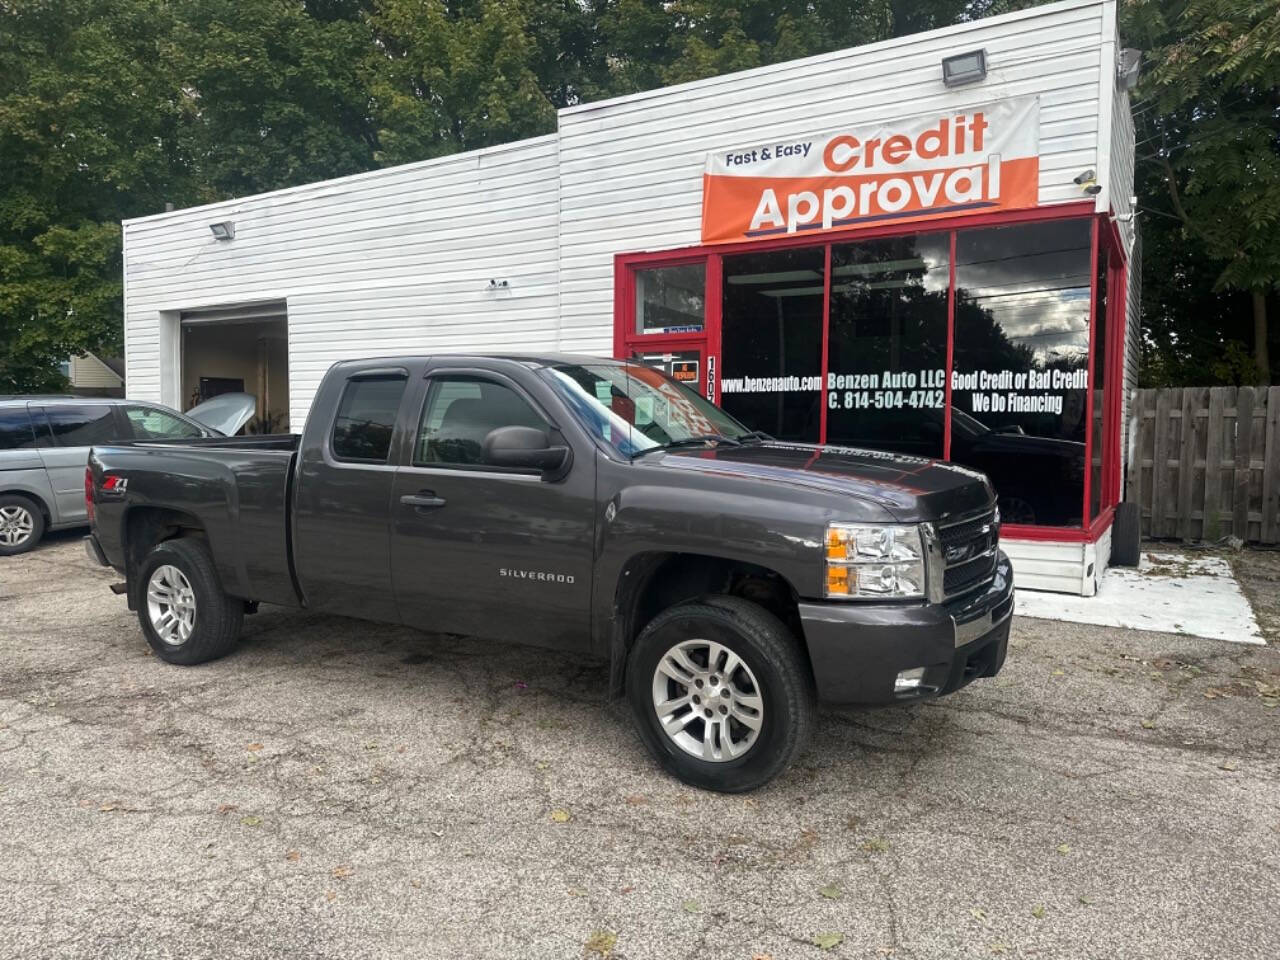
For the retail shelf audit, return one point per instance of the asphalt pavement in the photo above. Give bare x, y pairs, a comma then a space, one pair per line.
338, 789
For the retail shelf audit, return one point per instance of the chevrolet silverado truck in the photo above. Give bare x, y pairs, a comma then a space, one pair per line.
593, 506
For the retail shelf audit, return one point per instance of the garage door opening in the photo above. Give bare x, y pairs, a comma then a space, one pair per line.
239, 349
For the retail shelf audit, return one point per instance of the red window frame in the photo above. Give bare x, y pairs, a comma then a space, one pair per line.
1105, 235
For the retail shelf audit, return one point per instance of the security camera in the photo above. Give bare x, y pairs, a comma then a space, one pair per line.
1085, 177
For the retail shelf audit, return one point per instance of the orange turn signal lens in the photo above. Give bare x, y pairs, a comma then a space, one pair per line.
837, 581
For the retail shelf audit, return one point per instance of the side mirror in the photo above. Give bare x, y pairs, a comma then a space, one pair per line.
524, 448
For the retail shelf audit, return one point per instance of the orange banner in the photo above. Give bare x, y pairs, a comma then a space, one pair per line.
981, 161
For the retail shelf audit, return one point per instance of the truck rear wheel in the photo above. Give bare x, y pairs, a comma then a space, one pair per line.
720, 693
184, 613
21, 524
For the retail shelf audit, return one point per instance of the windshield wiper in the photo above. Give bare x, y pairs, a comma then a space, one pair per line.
758, 436
694, 441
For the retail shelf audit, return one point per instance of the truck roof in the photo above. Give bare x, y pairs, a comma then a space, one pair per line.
524, 357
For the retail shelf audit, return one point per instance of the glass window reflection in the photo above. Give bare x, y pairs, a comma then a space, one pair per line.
887, 356
1021, 365
771, 341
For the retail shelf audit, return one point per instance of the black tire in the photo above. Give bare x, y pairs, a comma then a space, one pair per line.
218, 618
1126, 535
35, 516
772, 655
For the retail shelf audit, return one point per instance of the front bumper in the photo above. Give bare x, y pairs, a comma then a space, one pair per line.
858, 650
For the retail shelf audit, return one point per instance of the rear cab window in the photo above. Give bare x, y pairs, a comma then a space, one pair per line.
366, 418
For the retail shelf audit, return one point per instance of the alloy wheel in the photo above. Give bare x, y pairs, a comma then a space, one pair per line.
16, 525
707, 700
171, 605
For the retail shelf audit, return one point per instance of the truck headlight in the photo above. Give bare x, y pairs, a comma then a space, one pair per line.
874, 561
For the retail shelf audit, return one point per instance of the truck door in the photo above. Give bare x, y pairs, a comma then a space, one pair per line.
345, 474
484, 550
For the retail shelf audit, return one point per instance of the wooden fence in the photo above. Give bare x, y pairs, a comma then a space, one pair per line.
1204, 462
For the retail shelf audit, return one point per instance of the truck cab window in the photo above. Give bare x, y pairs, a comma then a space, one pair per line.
459, 413
366, 417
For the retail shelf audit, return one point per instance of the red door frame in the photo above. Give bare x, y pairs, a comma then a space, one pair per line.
1104, 232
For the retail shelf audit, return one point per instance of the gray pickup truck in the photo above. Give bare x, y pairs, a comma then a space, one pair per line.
594, 506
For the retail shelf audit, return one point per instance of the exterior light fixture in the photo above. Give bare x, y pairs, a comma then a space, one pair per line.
1088, 182
223, 230
1128, 67
964, 68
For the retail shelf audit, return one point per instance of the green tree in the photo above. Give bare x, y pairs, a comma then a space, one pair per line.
460, 74
88, 135
276, 93
1213, 133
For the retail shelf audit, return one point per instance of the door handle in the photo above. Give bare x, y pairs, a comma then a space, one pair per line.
425, 500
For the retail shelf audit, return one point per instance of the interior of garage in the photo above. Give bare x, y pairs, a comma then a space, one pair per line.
239, 350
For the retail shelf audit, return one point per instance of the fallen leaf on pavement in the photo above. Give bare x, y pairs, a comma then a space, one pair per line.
330, 895
1228, 765
691, 906
601, 943
577, 891
561, 816
253, 747
635, 800
1064, 848
225, 808
293, 856
831, 891
1148, 724
1038, 911
1087, 901
828, 941
876, 845
978, 914
251, 821
342, 871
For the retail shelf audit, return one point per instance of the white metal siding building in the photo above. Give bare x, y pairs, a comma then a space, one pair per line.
552, 243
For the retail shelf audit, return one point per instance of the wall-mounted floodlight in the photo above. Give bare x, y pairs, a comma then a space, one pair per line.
964, 68
224, 230
1088, 182
1128, 66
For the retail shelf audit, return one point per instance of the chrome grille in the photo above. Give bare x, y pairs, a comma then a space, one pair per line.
968, 546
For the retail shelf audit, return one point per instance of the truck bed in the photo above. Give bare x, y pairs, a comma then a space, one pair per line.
239, 489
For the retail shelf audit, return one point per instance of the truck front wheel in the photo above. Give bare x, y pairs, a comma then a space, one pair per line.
720, 693
185, 616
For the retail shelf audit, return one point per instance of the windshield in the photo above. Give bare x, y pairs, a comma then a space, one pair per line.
635, 408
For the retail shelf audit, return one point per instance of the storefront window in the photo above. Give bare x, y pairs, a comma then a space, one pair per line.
1021, 365
1015, 301
771, 341
1099, 393
887, 357
671, 299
